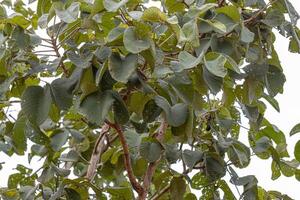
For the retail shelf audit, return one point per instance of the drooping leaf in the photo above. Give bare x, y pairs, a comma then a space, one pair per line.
36, 102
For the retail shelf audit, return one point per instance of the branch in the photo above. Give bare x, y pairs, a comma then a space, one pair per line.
162, 192
152, 166
220, 3
99, 148
135, 184
253, 17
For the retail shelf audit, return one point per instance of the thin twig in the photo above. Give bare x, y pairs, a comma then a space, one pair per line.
253, 17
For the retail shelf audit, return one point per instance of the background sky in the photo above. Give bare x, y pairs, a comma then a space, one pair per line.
289, 103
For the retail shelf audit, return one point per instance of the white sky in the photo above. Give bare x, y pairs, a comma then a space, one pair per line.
289, 116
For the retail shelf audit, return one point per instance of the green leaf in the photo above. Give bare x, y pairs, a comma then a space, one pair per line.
189, 33
96, 106
176, 115
113, 5
239, 154
151, 151
43, 21
121, 68
18, 137
62, 92
191, 158
70, 14
151, 111
275, 80
134, 44
174, 6
58, 140
295, 129
72, 194
246, 35
177, 188
124, 193
36, 103
214, 166
18, 19
81, 61
121, 113
274, 18
187, 61
154, 14
199, 180
297, 151
214, 82
231, 11
216, 66
115, 34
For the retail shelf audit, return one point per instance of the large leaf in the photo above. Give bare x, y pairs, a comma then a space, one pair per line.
62, 92
70, 14
177, 188
214, 166
191, 158
133, 43
176, 115
96, 106
151, 151
36, 102
121, 68
216, 66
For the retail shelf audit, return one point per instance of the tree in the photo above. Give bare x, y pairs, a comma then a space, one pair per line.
125, 101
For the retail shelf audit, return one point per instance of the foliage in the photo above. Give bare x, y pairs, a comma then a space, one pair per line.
115, 94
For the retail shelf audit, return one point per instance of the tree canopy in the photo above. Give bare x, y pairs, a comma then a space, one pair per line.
122, 100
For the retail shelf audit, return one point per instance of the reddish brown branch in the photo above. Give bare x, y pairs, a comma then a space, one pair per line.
135, 184
152, 166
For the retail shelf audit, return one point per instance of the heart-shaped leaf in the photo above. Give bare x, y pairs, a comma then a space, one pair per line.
134, 44
121, 68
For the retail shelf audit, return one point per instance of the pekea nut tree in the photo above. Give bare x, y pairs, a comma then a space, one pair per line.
123, 100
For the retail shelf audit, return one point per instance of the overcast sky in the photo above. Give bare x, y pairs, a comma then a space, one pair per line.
289, 116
